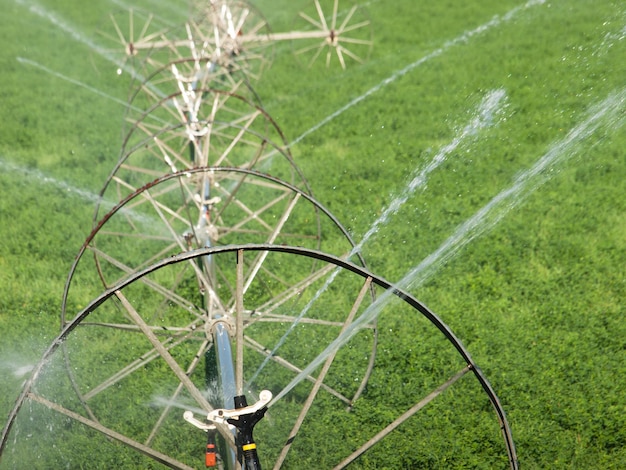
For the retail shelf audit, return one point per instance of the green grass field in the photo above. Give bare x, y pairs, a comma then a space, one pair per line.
515, 235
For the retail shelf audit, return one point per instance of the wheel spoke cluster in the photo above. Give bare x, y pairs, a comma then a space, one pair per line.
231, 41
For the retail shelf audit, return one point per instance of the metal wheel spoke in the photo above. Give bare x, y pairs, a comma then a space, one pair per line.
291, 367
355, 26
294, 290
310, 20
347, 19
157, 456
165, 355
320, 13
340, 56
166, 293
192, 367
363, 42
140, 362
322, 375
272, 238
261, 317
319, 46
401, 419
342, 50
333, 26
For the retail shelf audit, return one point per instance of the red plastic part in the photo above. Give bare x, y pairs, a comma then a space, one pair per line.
210, 458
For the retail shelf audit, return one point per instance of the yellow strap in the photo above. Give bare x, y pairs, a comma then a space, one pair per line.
249, 446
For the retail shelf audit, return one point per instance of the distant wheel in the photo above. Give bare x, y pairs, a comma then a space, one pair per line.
322, 32
206, 127
307, 422
208, 206
129, 37
230, 38
179, 77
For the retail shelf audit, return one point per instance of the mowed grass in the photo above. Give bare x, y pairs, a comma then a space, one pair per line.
537, 296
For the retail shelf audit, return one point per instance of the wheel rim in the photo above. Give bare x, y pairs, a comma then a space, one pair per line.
366, 312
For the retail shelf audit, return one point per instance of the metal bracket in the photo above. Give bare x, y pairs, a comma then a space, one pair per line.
220, 416
206, 426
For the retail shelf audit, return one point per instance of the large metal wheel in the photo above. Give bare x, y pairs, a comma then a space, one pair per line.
143, 410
